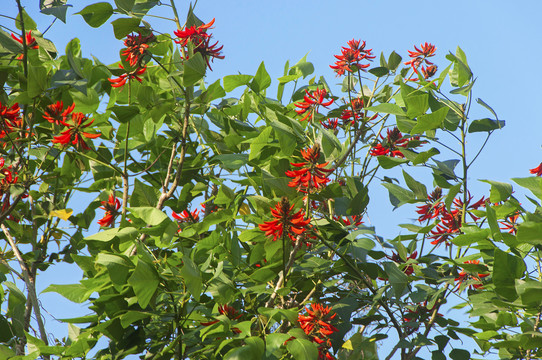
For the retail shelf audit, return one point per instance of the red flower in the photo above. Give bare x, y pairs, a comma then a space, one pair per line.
186, 217
510, 224
111, 207
200, 40
450, 222
136, 46
430, 71
351, 56
11, 122
313, 176
286, 222
121, 80
311, 103
408, 270
56, 113
10, 114
433, 206
230, 313
330, 124
537, 170
354, 220
316, 324
74, 133
390, 145
30, 42
464, 276
420, 55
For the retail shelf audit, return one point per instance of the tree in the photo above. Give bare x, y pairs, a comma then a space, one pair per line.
233, 226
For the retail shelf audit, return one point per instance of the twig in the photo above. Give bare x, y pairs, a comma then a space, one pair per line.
284, 273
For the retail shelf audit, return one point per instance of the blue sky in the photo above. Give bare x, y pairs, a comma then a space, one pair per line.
501, 41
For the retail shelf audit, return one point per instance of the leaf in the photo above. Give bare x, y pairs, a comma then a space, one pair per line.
387, 108
123, 234
144, 281
388, 162
506, 269
125, 113
485, 125
63, 214
430, 121
493, 224
530, 232
422, 157
287, 137
73, 292
231, 162
9, 44
394, 60
304, 66
144, 195
233, 81
302, 349
461, 73
534, 184
131, 317
379, 71
253, 349
259, 142
399, 195
192, 277
483, 103
417, 105
471, 237
530, 292
499, 191
460, 354
124, 26
58, 11
194, 69
261, 80
418, 188
117, 266
397, 278
150, 215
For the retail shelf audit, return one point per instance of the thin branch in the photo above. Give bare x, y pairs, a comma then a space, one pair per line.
284, 273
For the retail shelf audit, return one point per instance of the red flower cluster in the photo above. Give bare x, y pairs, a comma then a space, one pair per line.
419, 57
186, 217
56, 114
450, 221
316, 325
11, 122
510, 224
433, 206
136, 46
74, 133
390, 145
121, 80
351, 57
311, 102
354, 220
464, 276
30, 42
408, 270
111, 207
537, 170
200, 41
286, 222
230, 313
311, 176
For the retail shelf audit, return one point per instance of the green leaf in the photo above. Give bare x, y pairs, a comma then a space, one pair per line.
302, 349
397, 278
399, 195
459, 354
131, 317
144, 195
418, 188
38, 80
304, 66
534, 184
259, 142
379, 71
144, 281
194, 69
253, 349
530, 232
430, 121
387, 108
493, 224
125, 5
287, 138
231, 162
388, 162
394, 60
123, 234
150, 215
7, 43
125, 113
485, 125
261, 80
417, 105
73, 292
506, 269
233, 81
461, 73
499, 191
484, 104
192, 277
530, 292
55, 9
471, 237
117, 266
29, 24
124, 26
422, 157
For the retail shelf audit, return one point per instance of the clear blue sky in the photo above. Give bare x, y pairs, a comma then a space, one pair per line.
501, 40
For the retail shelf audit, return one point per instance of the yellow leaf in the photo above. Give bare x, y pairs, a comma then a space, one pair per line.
63, 214
244, 209
348, 345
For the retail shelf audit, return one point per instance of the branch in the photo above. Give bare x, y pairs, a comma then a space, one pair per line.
284, 273
29, 281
